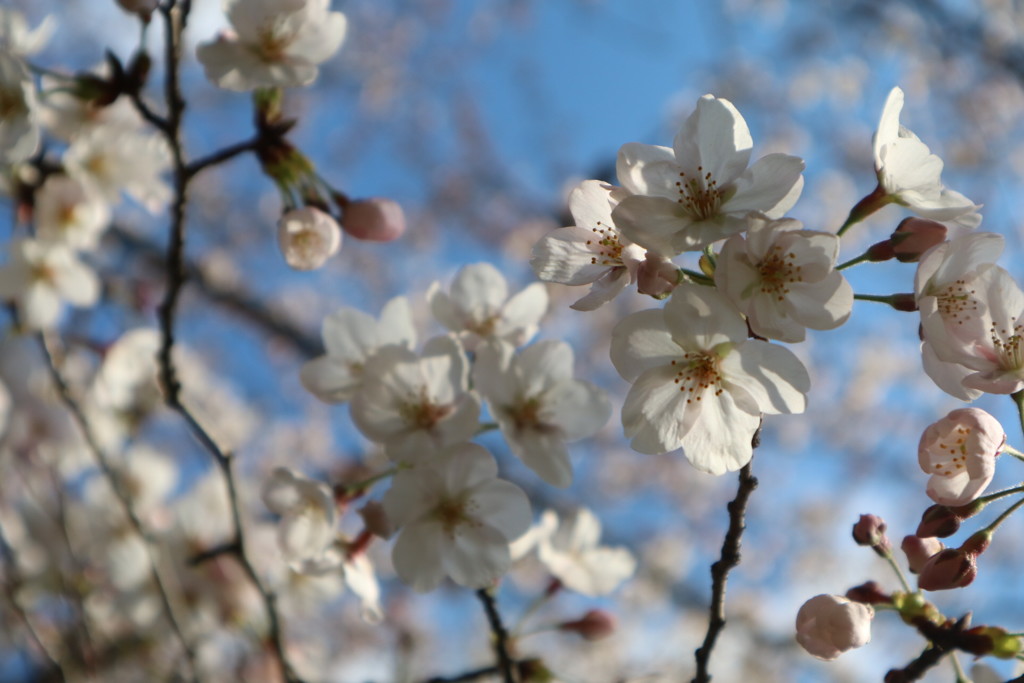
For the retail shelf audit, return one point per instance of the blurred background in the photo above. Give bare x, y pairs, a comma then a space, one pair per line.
479, 118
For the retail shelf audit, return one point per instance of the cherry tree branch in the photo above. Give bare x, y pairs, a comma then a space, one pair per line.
175, 15
506, 666
730, 557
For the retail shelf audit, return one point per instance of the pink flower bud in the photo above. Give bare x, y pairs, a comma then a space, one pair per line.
959, 451
376, 219
939, 520
919, 550
946, 569
914, 236
870, 530
594, 625
869, 593
307, 237
657, 276
829, 625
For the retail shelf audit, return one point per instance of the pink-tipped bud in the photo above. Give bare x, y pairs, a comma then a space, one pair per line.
376, 219
870, 530
946, 569
939, 520
657, 276
307, 237
869, 593
594, 625
919, 550
914, 236
881, 251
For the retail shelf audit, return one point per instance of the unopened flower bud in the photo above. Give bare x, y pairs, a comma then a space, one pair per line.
376, 519
869, 593
914, 236
376, 219
594, 625
829, 625
308, 237
905, 302
938, 520
881, 251
946, 569
870, 530
657, 276
959, 452
919, 550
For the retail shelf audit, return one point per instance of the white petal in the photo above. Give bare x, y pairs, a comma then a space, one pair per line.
772, 186
700, 318
656, 414
476, 556
330, 379
502, 505
604, 289
714, 140
719, 441
770, 373
647, 169
417, 555
652, 222
578, 408
543, 452
640, 342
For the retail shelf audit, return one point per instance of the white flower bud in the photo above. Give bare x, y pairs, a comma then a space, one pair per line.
308, 237
829, 625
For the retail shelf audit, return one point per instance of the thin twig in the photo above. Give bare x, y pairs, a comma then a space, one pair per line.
730, 557
123, 497
917, 668
220, 156
506, 665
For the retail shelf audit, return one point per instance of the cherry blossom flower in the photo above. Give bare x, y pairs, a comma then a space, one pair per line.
783, 279
68, 210
308, 237
959, 452
538, 405
115, 159
66, 113
356, 571
479, 308
946, 288
19, 124
275, 43
308, 514
591, 252
698, 383
571, 551
457, 519
417, 403
910, 174
40, 277
829, 625
700, 190
351, 338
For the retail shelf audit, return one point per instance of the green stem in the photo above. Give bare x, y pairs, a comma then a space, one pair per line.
887, 299
999, 494
699, 278
961, 677
899, 572
1010, 450
990, 529
866, 256
367, 483
487, 427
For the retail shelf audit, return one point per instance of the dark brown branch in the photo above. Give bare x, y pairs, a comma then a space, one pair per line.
730, 558
506, 666
913, 671
474, 675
